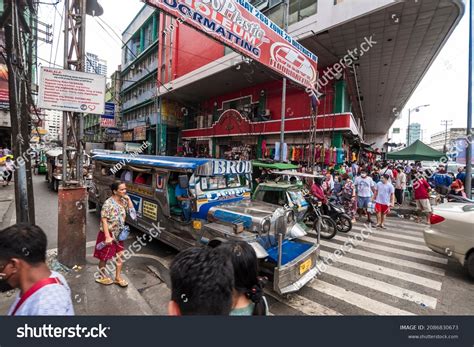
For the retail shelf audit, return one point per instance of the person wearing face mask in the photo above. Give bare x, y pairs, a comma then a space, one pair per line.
364, 189
23, 266
384, 199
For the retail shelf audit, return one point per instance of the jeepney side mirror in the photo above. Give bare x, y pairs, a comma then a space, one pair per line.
183, 181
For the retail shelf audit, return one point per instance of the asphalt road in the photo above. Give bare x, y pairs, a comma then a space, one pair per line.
391, 272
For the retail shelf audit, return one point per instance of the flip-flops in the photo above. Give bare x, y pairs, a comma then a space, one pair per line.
122, 283
104, 280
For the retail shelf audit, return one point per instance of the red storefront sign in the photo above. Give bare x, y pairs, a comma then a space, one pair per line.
232, 123
241, 26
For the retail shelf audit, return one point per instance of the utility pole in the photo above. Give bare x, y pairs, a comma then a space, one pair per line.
446, 122
72, 195
467, 185
283, 92
17, 21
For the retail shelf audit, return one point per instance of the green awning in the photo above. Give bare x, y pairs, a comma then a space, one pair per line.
416, 151
274, 166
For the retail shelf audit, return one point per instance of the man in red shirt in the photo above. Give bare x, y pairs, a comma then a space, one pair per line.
421, 189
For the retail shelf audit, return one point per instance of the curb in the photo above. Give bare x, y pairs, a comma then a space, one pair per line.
5, 204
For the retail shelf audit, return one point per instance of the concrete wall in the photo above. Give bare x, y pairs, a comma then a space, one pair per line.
330, 15
379, 139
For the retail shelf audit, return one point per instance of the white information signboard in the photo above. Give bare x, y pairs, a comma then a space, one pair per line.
72, 91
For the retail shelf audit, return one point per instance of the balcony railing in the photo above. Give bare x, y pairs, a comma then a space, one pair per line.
142, 72
145, 96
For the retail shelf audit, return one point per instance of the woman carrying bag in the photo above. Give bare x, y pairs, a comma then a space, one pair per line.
113, 232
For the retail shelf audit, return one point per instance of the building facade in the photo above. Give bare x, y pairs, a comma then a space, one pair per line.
95, 65
439, 139
138, 92
53, 124
209, 100
414, 133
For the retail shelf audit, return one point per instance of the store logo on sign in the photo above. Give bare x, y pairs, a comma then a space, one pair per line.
287, 59
224, 167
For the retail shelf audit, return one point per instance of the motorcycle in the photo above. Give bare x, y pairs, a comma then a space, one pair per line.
314, 218
338, 215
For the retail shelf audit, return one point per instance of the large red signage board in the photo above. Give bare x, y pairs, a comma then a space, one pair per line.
244, 28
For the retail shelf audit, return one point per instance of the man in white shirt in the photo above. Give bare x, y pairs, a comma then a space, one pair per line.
384, 199
23, 266
364, 188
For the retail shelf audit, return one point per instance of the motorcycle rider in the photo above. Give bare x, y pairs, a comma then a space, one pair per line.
317, 190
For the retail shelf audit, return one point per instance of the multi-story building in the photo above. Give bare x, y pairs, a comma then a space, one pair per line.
138, 93
212, 101
95, 65
414, 133
53, 124
439, 139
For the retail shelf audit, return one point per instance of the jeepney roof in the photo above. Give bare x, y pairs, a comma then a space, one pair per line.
296, 174
154, 160
278, 185
275, 166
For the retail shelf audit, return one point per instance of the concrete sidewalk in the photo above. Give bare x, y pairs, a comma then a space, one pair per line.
7, 199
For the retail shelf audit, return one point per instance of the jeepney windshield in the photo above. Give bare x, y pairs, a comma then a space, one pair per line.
223, 182
296, 197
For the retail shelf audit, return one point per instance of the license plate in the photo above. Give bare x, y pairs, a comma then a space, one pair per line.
305, 266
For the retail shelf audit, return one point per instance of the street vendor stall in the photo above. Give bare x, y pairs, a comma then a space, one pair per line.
416, 151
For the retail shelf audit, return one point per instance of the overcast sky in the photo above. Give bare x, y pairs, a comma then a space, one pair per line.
444, 86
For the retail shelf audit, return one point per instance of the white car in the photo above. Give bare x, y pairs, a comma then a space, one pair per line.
452, 232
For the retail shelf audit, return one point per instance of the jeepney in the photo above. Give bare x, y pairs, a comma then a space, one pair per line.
265, 168
222, 210
54, 171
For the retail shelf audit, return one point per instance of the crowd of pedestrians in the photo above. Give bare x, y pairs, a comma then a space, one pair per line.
366, 189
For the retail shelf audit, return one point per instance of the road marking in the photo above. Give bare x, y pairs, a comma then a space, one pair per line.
395, 235
392, 260
383, 287
393, 242
358, 300
432, 258
386, 271
303, 305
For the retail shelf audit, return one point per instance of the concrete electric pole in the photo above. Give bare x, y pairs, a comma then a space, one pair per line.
18, 21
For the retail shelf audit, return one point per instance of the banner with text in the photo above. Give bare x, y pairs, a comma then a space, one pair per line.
71, 91
244, 28
107, 120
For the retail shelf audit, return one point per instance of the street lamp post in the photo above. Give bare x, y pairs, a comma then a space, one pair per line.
417, 109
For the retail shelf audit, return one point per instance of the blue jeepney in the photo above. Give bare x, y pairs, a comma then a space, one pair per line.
222, 210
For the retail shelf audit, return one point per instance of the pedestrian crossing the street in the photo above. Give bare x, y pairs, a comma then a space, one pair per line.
376, 271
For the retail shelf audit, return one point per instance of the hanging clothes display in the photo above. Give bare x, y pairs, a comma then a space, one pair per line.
285, 152
277, 151
327, 156
340, 156
264, 148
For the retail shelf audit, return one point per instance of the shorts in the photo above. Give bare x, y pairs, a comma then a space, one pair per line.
363, 201
423, 205
380, 208
109, 251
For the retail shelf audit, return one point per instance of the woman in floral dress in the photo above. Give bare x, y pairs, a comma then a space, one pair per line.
112, 221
